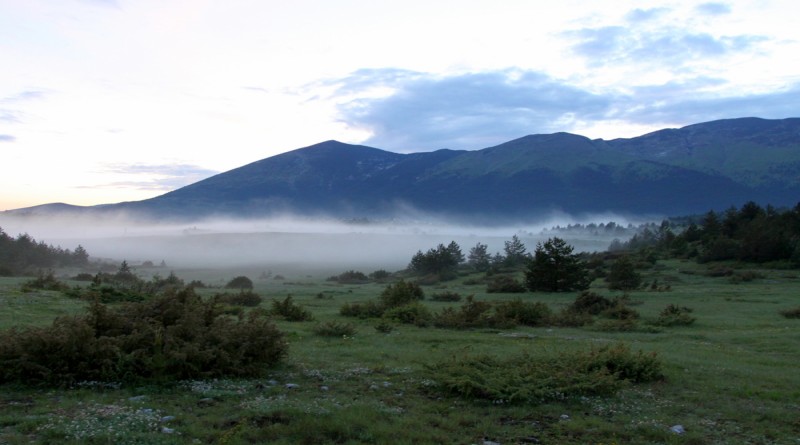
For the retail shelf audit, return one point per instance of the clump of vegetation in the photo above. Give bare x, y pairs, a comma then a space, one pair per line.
526, 379
384, 327
471, 314
554, 268
290, 310
674, 315
524, 313
447, 296
350, 277
175, 336
791, 313
590, 303
623, 276
334, 329
241, 283
746, 276
412, 313
369, 309
380, 275
245, 298
395, 295
504, 284
44, 281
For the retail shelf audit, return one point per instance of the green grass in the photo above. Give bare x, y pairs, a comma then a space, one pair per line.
731, 377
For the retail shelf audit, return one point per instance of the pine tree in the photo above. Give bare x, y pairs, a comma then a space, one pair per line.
554, 268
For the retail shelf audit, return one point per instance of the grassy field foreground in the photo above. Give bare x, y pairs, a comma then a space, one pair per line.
730, 377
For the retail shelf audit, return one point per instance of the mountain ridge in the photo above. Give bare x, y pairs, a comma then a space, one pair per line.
710, 165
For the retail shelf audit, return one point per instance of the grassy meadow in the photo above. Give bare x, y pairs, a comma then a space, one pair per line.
731, 377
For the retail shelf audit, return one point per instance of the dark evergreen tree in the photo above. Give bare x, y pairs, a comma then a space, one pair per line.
479, 257
515, 250
555, 268
622, 275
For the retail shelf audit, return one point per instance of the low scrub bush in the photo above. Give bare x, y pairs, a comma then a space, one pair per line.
571, 319
291, 311
746, 276
525, 379
44, 281
448, 296
380, 275
175, 336
334, 329
472, 314
791, 313
412, 313
244, 298
590, 303
384, 327
241, 283
620, 311
350, 277
674, 315
369, 309
401, 293
524, 313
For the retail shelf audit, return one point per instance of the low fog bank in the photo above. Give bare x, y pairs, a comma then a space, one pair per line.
302, 242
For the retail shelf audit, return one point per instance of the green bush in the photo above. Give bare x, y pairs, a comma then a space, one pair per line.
524, 379
471, 314
571, 319
44, 281
446, 296
590, 303
290, 311
674, 315
401, 293
241, 282
413, 313
334, 329
791, 313
175, 336
244, 298
528, 314
350, 277
369, 309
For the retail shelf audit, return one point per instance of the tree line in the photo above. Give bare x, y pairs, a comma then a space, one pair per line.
23, 255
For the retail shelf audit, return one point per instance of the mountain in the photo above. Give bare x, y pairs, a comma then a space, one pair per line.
711, 165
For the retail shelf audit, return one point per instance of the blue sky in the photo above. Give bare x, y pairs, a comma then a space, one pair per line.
114, 100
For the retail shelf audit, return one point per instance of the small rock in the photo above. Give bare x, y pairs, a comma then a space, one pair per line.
677, 429
530, 439
490, 442
166, 430
146, 411
167, 419
136, 398
291, 386
373, 387
387, 384
565, 417
206, 401
272, 382
323, 388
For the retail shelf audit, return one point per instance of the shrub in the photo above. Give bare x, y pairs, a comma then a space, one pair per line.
334, 329
244, 298
175, 336
44, 281
350, 277
446, 296
620, 311
384, 327
673, 315
504, 284
241, 282
623, 276
524, 379
369, 309
471, 314
83, 276
791, 313
380, 275
528, 314
590, 303
290, 311
571, 319
412, 313
401, 293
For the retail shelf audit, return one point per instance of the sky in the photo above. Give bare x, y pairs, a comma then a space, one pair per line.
103, 101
